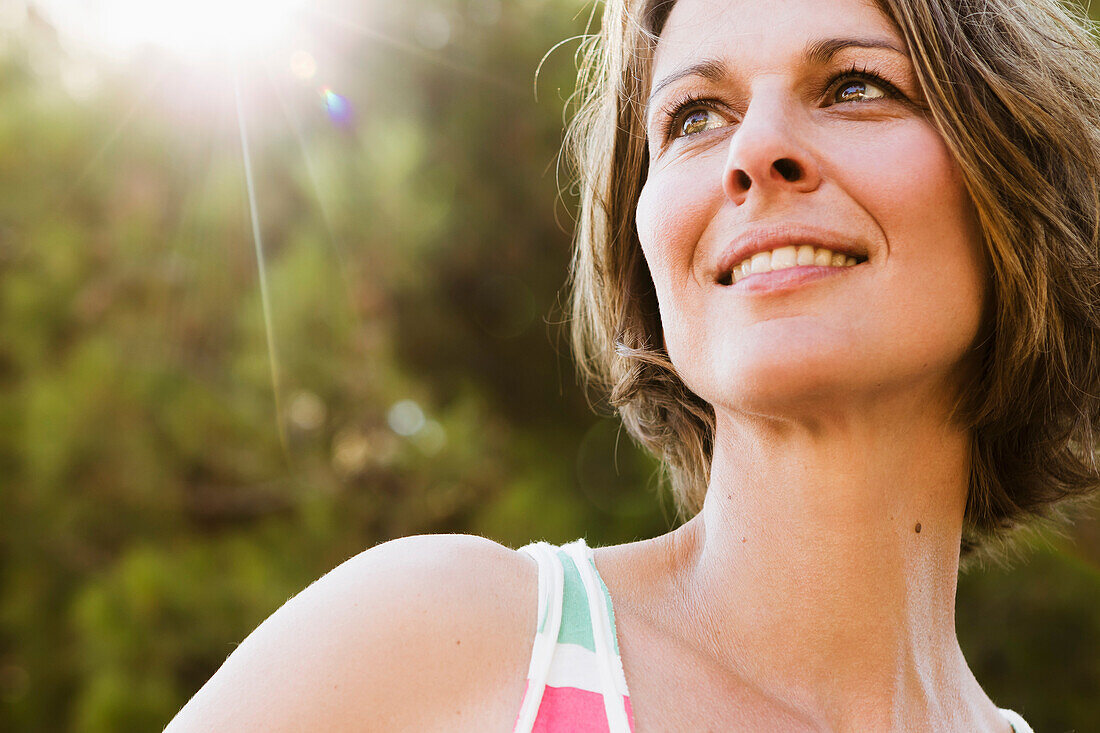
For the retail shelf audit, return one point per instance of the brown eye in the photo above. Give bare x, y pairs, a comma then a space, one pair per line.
699, 120
858, 90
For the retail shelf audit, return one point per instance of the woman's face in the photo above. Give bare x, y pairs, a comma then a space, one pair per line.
778, 126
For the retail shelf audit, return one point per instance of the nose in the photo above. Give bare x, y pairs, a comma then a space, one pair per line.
766, 156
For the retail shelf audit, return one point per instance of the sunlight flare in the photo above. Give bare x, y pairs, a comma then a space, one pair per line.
189, 28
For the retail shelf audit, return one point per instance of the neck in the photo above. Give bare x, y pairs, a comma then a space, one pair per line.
822, 568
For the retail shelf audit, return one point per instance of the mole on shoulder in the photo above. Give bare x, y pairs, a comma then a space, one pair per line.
917, 528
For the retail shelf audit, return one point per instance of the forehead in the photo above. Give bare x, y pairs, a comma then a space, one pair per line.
762, 32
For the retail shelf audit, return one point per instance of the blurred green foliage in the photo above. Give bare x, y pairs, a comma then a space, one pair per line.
163, 489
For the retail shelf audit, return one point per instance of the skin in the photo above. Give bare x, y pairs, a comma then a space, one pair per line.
803, 581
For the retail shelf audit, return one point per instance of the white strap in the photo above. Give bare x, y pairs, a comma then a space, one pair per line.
551, 589
1019, 725
601, 632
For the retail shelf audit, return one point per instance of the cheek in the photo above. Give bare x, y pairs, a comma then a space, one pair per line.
671, 218
932, 205
675, 209
935, 265
915, 191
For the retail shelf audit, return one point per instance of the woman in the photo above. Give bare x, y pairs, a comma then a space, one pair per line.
837, 266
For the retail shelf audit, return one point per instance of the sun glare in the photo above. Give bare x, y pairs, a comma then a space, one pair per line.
189, 28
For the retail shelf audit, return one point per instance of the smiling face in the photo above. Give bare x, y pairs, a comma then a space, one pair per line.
791, 124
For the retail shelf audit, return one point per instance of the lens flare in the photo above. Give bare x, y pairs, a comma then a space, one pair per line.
338, 107
189, 28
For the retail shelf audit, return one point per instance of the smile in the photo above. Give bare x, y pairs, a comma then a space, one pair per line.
783, 258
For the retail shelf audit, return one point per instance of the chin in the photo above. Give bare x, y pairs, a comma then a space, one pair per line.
782, 375
799, 395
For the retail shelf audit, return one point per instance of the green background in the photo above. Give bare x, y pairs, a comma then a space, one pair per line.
163, 489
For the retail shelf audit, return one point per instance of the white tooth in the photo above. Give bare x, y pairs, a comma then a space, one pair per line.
792, 256
737, 274
784, 257
762, 262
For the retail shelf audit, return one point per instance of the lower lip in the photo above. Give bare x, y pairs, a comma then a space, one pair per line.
777, 281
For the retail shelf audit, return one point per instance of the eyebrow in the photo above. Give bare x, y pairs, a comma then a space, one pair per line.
815, 54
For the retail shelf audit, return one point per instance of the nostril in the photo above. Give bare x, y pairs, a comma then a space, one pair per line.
789, 169
743, 180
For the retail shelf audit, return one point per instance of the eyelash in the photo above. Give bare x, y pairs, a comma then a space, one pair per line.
677, 109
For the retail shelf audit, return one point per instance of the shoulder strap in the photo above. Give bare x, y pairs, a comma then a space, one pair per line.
551, 585
1019, 725
603, 637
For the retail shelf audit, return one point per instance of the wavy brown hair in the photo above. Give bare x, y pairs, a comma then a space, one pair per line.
1013, 86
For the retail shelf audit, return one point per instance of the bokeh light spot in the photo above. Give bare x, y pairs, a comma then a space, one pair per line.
350, 451
431, 438
433, 30
307, 411
406, 418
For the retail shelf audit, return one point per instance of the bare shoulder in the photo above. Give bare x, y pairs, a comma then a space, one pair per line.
419, 633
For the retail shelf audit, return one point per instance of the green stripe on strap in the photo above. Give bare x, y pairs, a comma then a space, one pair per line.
576, 623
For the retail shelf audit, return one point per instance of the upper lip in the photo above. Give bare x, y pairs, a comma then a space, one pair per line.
769, 237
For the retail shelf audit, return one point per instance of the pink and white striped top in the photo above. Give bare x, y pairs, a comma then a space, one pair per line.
575, 682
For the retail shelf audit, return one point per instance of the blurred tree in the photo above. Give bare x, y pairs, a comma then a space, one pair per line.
151, 512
